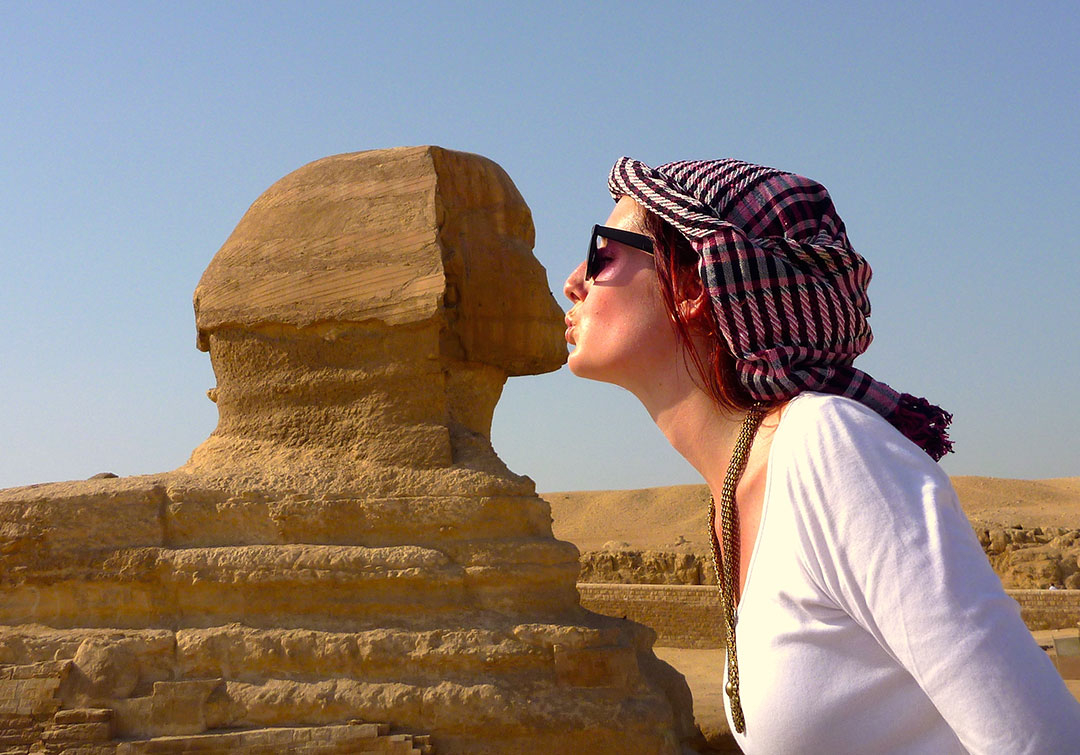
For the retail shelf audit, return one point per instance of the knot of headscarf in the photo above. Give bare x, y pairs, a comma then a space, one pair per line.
788, 290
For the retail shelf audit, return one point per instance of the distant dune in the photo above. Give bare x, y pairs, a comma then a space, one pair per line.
675, 517
1001, 502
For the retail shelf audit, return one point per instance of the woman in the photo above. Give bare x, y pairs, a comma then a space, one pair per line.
861, 613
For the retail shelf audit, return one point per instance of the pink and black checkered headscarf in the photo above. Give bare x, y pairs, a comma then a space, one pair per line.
788, 289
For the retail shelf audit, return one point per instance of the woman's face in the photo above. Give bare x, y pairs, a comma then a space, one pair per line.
618, 324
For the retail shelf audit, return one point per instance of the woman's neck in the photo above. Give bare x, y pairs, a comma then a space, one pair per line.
705, 435
702, 433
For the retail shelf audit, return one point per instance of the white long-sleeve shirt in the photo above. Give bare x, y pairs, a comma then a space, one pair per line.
871, 621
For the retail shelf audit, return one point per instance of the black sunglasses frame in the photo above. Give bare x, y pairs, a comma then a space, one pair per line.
593, 263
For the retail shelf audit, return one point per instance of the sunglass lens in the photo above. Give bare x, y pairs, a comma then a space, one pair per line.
592, 262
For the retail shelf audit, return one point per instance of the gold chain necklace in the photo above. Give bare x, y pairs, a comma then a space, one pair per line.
727, 569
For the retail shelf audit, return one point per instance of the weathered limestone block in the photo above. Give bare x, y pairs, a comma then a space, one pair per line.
346, 546
647, 567
80, 730
106, 667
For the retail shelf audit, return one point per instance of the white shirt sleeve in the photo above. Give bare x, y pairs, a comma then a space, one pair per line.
889, 543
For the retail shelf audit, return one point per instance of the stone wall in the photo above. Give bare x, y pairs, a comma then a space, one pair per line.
1024, 559
683, 616
1048, 609
687, 616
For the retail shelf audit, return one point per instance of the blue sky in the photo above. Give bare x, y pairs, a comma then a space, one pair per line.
133, 137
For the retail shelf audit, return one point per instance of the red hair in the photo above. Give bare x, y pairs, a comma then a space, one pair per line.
677, 271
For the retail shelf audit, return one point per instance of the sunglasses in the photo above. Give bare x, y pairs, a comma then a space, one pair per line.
595, 263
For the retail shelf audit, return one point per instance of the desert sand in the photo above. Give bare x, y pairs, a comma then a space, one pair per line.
675, 517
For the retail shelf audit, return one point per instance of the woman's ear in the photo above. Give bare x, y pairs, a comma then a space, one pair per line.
693, 298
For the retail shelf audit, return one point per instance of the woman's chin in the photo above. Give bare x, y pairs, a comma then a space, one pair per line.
574, 363
583, 368
580, 367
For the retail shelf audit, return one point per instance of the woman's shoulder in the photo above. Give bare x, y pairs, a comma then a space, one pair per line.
858, 492
822, 426
841, 449
826, 412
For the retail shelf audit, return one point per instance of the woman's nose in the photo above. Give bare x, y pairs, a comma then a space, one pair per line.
574, 288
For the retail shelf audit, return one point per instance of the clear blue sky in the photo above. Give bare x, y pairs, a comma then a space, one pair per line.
133, 136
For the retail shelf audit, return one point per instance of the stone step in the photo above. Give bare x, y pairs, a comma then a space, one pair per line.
371, 522
119, 664
285, 585
384, 655
484, 711
43, 532
302, 740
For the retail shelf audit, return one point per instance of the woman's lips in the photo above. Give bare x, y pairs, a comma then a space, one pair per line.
569, 329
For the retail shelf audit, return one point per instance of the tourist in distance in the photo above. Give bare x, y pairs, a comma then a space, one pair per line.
860, 612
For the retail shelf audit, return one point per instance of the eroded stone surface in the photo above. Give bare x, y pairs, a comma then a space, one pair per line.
346, 546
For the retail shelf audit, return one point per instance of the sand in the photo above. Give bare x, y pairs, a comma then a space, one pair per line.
676, 517
1002, 502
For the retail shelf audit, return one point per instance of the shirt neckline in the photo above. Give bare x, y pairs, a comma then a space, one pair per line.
766, 496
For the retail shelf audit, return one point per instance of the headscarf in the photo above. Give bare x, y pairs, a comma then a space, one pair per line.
788, 290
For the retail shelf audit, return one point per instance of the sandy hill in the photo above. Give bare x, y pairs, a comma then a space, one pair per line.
670, 517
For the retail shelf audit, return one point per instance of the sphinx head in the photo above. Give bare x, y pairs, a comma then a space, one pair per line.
372, 305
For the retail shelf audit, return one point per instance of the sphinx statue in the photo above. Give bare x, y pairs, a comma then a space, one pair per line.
345, 564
